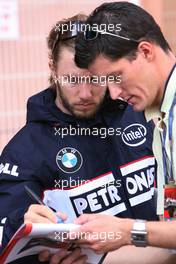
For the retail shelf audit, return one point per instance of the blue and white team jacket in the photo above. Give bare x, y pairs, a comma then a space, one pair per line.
111, 173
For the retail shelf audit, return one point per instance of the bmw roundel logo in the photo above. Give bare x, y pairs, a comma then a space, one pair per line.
69, 160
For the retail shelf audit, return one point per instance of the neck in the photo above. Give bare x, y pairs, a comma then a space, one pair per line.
164, 67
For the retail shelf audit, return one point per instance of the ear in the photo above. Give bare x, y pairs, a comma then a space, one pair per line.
52, 67
146, 49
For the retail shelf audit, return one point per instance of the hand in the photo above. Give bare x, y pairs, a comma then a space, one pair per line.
102, 233
63, 257
42, 214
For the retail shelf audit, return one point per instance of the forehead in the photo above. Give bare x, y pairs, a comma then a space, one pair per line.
104, 66
66, 64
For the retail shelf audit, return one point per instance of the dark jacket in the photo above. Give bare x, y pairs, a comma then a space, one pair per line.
121, 167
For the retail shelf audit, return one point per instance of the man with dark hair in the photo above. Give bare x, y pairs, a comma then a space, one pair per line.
143, 58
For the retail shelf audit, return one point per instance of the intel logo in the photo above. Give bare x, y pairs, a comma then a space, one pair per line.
134, 135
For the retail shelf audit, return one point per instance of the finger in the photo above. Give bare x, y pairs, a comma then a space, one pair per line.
36, 218
40, 210
73, 256
44, 256
84, 218
99, 252
57, 257
84, 245
63, 216
81, 260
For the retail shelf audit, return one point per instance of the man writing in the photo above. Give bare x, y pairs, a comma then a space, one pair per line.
142, 56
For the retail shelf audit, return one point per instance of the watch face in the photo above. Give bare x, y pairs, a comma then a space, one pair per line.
139, 234
139, 237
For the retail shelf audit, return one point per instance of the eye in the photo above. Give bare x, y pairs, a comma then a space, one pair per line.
114, 78
98, 80
72, 79
94, 80
118, 78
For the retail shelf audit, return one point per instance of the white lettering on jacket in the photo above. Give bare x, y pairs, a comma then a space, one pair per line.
2, 223
139, 177
100, 195
110, 192
9, 169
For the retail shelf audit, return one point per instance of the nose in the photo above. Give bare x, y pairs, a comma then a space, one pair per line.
114, 90
85, 92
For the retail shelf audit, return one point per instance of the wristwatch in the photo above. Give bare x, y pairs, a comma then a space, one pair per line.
139, 233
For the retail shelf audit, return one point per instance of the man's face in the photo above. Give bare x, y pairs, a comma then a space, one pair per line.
138, 86
77, 96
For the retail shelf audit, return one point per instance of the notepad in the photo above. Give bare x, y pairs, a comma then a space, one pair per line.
31, 239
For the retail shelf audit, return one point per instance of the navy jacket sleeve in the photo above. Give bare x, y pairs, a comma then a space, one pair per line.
17, 168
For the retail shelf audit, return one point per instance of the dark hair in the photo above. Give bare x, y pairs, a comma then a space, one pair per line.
55, 42
135, 22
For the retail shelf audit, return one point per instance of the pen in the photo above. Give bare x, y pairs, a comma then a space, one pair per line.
36, 198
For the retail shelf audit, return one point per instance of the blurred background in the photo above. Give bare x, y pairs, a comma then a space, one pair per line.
24, 25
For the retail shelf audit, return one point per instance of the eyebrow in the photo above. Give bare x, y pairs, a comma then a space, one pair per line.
114, 73
72, 75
